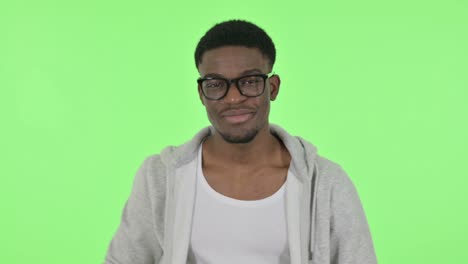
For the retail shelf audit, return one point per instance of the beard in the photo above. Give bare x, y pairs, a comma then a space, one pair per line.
246, 137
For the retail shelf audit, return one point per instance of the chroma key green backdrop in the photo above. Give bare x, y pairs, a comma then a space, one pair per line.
88, 89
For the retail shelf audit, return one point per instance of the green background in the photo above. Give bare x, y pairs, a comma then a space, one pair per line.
88, 89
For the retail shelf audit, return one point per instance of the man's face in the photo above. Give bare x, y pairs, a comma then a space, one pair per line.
235, 117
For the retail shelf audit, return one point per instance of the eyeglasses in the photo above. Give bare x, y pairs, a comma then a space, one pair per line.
216, 88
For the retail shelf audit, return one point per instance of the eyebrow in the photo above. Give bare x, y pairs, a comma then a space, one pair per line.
246, 72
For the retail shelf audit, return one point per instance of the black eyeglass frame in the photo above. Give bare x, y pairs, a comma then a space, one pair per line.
236, 82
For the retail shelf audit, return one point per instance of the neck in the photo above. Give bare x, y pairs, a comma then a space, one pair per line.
258, 151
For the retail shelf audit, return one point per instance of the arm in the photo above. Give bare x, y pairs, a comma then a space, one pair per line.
136, 240
350, 238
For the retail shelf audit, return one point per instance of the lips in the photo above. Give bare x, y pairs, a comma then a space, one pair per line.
236, 116
234, 112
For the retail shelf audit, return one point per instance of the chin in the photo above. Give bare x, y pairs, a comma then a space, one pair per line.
241, 138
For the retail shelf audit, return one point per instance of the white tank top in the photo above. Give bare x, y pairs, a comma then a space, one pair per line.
227, 230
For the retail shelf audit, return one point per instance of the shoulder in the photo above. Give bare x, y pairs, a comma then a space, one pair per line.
174, 156
153, 163
330, 169
339, 188
156, 167
333, 174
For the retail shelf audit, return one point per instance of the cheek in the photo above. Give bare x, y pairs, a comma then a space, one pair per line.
266, 103
264, 108
211, 112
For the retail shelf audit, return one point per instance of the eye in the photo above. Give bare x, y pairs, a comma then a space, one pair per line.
250, 81
212, 84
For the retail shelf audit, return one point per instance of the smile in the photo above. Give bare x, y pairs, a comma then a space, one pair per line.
237, 116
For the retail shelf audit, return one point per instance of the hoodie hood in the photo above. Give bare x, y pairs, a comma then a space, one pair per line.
302, 151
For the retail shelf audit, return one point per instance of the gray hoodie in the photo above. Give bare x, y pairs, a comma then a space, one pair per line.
325, 219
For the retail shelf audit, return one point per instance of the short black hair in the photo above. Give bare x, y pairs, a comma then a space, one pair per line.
236, 33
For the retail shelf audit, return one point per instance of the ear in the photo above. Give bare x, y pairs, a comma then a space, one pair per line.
274, 82
200, 95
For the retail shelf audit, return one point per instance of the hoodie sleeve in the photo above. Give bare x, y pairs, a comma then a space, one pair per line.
350, 238
135, 241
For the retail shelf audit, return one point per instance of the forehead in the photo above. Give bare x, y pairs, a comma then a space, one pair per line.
231, 61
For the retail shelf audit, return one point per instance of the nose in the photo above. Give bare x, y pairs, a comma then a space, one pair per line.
233, 95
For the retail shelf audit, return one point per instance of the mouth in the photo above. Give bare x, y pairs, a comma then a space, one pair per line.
237, 116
